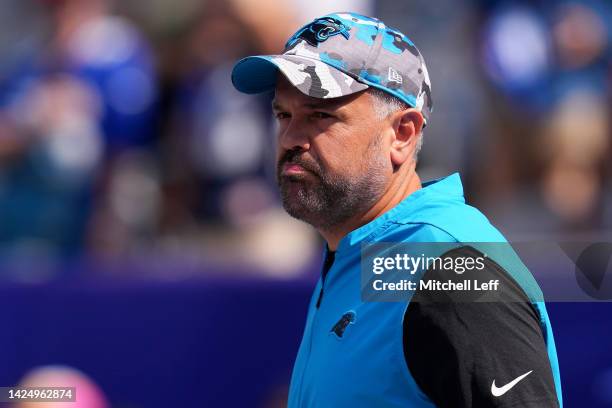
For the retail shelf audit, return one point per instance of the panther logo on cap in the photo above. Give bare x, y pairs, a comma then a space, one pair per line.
318, 31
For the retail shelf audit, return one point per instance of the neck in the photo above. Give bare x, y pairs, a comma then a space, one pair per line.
397, 192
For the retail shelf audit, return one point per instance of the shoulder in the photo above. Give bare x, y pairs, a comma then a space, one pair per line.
474, 342
462, 222
403, 231
453, 223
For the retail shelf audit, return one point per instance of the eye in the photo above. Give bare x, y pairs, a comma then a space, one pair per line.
321, 115
281, 115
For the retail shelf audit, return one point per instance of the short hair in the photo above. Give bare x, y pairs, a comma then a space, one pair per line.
386, 104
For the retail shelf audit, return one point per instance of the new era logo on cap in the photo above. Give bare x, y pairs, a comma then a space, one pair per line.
340, 54
394, 76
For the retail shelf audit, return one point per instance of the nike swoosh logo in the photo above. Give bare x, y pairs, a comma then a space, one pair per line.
498, 392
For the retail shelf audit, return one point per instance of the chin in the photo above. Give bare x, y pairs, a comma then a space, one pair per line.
298, 209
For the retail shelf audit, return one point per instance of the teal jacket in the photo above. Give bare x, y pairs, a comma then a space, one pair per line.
367, 366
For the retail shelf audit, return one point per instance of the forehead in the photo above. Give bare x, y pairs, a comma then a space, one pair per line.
285, 93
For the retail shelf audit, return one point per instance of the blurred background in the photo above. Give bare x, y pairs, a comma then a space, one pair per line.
143, 252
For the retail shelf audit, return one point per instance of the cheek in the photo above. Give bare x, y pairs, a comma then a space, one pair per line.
341, 151
376, 157
345, 163
331, 154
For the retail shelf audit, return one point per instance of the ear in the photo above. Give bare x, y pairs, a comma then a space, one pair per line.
407, 125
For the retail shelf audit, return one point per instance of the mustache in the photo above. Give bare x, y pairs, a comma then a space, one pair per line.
295, 157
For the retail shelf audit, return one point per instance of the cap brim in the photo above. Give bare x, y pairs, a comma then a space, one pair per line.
312, 77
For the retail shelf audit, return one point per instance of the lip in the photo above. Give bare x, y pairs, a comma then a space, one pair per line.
292, 169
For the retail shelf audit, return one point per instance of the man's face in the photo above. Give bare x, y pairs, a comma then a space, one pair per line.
333, 162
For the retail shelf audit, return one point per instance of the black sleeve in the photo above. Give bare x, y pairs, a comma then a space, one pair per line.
455, 349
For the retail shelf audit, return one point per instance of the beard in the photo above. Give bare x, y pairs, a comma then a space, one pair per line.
326, 200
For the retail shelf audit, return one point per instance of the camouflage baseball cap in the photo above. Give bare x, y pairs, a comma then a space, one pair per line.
340, 54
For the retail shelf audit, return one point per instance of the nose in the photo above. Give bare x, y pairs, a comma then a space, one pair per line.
294, 137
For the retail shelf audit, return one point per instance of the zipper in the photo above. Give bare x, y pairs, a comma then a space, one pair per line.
320, 295
327, 264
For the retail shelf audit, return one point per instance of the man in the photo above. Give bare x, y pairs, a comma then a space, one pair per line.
351, 99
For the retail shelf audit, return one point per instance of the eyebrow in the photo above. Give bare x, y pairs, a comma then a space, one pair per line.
276, 106
328, 105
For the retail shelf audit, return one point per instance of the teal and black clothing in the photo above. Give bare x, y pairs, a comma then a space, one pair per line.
424, 354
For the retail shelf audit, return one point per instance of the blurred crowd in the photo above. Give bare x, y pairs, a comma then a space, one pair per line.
122, 136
